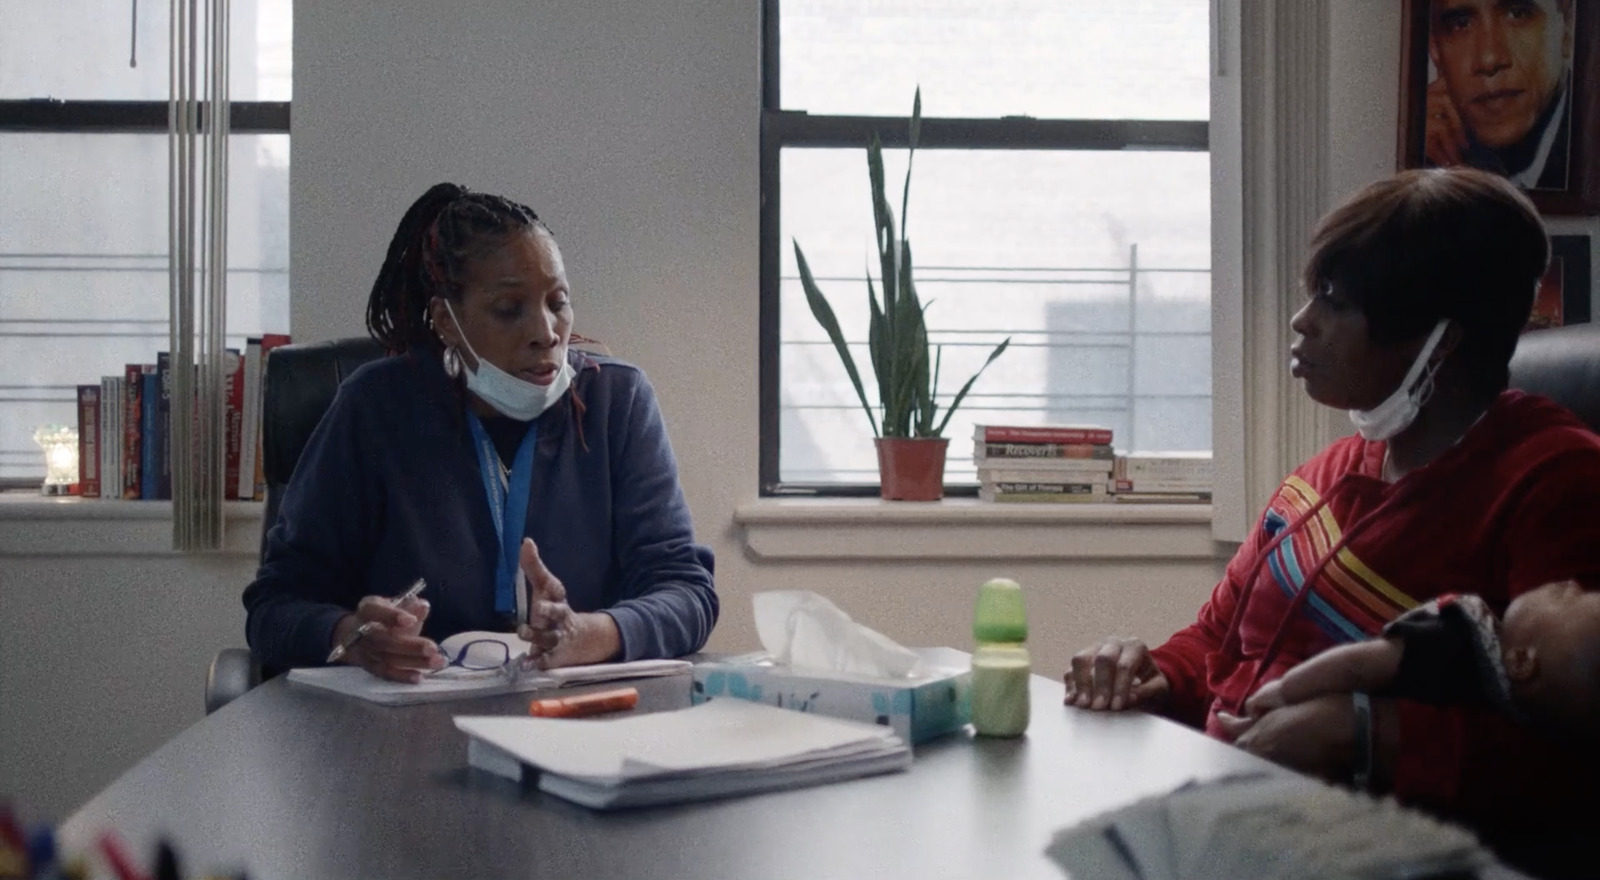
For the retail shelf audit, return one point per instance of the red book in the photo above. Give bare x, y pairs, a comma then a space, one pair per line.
89, 441
1043, 434
233, 366
131, 415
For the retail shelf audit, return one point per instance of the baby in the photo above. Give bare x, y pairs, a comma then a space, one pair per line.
1542, 664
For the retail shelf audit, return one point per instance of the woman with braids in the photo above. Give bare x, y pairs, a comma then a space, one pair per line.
532, 486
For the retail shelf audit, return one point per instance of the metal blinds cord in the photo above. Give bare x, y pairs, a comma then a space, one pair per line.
197, 229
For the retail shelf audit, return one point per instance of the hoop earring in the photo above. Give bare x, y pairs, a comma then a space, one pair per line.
452, 362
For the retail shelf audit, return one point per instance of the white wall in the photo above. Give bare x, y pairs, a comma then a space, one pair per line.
104, 641
632, 127
1363, 93
102, 663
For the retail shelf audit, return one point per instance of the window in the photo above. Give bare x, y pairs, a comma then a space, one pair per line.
1061, 197
83, 200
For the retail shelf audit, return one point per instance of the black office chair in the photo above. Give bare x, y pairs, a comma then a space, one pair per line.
299, 386
1563, 364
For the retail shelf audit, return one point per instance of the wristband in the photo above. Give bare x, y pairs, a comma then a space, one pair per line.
1361, 762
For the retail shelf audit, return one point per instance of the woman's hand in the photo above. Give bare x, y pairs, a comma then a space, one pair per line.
1118, 674
557, 635
1315, 737
394, 649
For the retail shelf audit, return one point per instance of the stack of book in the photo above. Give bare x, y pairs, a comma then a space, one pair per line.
1043, 463
123, 443
717, 749
1163, 477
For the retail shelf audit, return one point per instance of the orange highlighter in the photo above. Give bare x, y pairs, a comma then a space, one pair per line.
579, 706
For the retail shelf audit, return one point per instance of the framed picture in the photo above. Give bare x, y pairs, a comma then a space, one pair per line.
1510, 86
1563, 296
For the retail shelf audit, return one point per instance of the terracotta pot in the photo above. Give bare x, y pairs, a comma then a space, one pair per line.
912, 469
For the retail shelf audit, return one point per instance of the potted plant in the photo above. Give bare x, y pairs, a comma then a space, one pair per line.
909, 436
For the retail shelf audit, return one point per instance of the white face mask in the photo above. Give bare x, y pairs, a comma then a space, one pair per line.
517, 398
1400, 409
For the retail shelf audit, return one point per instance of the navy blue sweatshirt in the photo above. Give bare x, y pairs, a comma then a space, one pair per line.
389, 490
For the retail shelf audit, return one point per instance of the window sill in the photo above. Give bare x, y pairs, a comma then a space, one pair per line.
783, 529
35, 525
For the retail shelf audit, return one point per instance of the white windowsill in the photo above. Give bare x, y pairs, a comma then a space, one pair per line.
779, 529
36, 525
775, 529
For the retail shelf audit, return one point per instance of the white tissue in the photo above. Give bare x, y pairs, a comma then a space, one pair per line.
802, 630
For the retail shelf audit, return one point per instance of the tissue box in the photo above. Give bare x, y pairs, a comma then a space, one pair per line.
918, 708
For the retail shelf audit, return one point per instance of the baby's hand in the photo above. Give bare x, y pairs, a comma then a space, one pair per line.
1234, 726
1269, 697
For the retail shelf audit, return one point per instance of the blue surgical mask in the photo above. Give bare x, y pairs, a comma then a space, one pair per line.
517, 398
1401, 408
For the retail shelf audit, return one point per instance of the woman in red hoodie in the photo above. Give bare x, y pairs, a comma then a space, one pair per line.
1418, 289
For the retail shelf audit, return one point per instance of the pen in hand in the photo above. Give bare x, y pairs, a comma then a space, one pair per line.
365, 629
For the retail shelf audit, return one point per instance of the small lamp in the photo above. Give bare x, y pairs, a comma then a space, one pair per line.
60, 445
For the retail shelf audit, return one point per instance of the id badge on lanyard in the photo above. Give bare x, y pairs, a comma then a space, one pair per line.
508, 508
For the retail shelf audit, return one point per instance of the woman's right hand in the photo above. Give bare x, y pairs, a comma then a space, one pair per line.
1117, 674
394, 649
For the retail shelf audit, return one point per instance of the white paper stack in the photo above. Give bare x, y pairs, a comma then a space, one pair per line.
1264, 827
717, 749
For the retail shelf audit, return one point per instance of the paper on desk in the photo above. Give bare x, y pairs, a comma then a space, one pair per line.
1263, 826
565, 676
718, 736
455, 684
805, 631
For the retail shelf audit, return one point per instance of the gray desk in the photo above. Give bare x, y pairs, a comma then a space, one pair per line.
290, 783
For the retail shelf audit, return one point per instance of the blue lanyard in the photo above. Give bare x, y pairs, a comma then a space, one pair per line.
508, 506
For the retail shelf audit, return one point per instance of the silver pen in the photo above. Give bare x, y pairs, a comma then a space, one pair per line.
344, 647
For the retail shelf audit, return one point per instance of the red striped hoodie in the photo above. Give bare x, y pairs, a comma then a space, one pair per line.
1513, 505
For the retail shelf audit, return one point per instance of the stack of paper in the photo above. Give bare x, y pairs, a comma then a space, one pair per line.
455, 683
716, 749
1264, 827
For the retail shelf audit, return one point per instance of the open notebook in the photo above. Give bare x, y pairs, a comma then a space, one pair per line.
483, 676
717, 749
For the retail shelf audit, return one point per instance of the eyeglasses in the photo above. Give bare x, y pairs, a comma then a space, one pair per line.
481, 658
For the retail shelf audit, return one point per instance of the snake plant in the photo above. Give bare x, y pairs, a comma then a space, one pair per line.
897, 336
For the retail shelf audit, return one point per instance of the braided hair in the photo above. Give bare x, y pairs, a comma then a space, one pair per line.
441, 231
